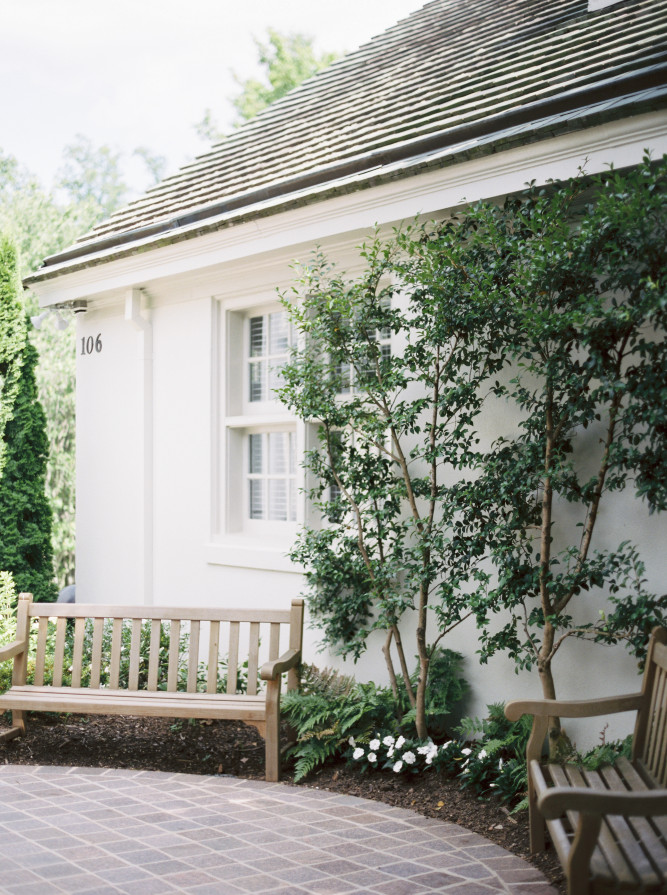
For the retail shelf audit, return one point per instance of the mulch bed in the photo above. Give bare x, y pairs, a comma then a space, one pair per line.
228, 747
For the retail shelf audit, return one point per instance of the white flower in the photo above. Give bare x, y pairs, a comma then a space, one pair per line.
400, 742
500, 764
447, 744
466, 751
388, 741
429, 758
482, 754
372, 757
466, 763
390, 752
424, 750
351, 742
409, 757
398, 767
358, 753
493, 785
374, 745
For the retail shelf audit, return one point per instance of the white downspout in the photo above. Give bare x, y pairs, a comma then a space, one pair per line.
141, 322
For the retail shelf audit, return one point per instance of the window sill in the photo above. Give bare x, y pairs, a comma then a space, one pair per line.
245, 553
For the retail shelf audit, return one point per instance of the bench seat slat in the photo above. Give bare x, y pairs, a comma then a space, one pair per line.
654, 853
158, 703
600, 865
639, 868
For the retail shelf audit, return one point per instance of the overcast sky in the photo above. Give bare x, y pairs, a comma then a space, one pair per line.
140, 73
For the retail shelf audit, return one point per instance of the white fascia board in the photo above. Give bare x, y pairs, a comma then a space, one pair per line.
620, 142
596, 5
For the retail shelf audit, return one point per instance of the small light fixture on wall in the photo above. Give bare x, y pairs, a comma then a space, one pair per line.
60, 322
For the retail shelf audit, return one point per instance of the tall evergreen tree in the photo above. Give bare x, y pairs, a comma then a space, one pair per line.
25, 515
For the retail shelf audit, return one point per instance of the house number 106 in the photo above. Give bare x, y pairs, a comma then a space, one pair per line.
90, 344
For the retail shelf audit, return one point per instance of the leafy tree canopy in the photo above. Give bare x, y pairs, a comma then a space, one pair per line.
286, 61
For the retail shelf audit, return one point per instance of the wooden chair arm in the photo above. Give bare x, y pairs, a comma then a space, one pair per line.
12, 649
579, 708
560, 799
271, 670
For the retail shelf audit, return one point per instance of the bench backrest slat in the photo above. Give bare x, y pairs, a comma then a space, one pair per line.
650, 739
135, 651
253, 659
41, 651
233, 657
274, 641
154, 653
96, 658
213, 658
174, 641
59, 655
193, 657
116, 646
77, 656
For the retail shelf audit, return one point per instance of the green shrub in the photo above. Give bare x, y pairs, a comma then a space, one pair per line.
333, 715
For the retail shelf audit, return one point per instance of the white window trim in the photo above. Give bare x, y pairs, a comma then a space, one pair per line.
235, 540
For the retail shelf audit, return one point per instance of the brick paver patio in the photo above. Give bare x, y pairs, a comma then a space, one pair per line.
88, 830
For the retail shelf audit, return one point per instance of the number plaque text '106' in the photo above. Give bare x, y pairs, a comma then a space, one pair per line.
90, 344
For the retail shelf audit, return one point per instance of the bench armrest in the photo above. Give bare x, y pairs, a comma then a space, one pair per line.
579, 708
271, 670
560, 799
12, 649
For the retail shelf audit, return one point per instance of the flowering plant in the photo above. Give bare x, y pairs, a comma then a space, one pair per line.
385, 751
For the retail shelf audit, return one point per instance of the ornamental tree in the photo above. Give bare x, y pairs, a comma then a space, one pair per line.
389, 374
25, 515
582, 309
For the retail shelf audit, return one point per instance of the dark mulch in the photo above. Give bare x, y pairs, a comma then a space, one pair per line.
228, 747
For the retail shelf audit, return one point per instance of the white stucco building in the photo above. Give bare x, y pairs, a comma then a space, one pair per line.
187, 469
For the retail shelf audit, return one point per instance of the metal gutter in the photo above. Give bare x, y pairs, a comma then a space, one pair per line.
591, 102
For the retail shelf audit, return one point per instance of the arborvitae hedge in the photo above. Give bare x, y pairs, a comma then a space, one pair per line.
25, 515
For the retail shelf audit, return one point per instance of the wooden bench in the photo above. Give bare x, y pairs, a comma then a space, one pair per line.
609, 826
92, 663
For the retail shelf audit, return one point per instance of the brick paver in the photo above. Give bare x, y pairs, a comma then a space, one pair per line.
94, 831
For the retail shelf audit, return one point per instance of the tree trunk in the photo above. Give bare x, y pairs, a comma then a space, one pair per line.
559, 742
422, 651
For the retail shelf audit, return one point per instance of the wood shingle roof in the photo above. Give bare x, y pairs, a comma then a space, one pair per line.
453, 73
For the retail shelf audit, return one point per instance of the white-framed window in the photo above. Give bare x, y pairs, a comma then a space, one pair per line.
271, 475
257, 477
269, 338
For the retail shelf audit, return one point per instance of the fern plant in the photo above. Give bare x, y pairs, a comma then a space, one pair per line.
331, 710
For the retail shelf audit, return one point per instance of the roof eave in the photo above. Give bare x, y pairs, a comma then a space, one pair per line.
563, 113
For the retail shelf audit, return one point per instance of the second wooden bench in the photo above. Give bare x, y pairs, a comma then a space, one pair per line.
172, 662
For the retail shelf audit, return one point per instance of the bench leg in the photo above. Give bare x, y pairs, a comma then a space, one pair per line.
536, 821
272, 735
579, 860
16, 730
